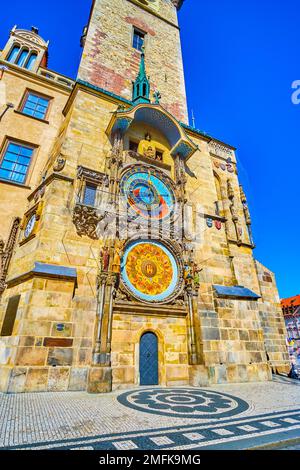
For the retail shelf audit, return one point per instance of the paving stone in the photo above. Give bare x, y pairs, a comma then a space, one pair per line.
125, 445
71, 420
161, 441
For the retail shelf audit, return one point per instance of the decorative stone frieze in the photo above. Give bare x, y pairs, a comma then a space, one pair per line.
85, 220
220, 150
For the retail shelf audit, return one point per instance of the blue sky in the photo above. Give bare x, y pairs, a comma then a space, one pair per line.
240, 59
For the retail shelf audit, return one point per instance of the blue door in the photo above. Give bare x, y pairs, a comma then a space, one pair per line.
149, 359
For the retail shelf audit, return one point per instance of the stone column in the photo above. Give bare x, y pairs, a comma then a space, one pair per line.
102, 280
192, 343
112, 289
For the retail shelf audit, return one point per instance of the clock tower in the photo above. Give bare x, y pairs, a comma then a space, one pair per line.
134, 261
112, 49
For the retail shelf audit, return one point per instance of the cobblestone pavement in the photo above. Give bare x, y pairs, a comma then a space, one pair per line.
223, 416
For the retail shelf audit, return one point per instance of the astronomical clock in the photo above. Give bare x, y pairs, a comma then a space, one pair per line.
151, 269
147, 192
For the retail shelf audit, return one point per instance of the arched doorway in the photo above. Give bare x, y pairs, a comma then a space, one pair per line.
149, 359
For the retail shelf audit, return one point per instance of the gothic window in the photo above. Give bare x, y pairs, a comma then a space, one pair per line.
12, 56
90, 192
35, 105
138, 39
10, 316
15, 162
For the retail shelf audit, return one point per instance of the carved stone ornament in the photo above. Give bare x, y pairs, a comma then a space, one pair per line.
243, 195
85, 220
6, 252
247, 215
122, 296
177, 3
230, 190
220, 150
60, 163
96, 176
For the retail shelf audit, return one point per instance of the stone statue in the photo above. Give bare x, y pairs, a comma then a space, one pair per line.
116, 267
147, 147
104, 256
188, 274
196, 274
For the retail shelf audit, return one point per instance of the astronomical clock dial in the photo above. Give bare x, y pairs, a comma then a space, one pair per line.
148, 194
30, 226
154, 4
150, 271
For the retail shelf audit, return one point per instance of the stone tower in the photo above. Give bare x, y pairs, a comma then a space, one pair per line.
134, 263
109, 61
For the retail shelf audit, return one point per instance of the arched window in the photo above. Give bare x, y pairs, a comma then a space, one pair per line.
22, 57
31, 61
13, 54
144, 89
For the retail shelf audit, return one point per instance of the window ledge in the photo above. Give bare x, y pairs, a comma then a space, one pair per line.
31, 117
13, 183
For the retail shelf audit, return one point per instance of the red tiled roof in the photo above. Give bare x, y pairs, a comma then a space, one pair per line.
291, 301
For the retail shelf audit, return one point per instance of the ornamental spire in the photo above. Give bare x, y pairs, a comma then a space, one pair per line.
141, 86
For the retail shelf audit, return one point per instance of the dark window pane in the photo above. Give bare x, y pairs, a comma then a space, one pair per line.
89, 195
138, 40
133, 146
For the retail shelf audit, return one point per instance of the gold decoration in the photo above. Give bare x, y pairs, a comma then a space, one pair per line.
116, 267
149, 269
147, 147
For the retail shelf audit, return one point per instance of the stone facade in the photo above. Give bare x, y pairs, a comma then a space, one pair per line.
79, 323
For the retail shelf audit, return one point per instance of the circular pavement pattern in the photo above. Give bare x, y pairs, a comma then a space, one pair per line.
184, 402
